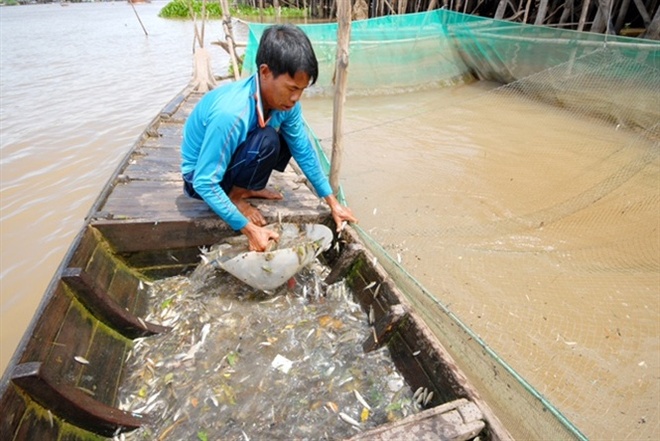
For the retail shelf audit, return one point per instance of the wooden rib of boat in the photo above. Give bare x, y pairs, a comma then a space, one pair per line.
63, 380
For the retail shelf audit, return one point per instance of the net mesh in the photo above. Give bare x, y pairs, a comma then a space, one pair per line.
525, 230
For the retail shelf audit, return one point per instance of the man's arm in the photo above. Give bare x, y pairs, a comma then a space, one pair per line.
340, 213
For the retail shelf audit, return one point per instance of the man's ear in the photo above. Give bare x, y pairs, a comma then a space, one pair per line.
264, 70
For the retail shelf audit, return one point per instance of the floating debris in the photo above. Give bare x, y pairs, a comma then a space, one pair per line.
282, 363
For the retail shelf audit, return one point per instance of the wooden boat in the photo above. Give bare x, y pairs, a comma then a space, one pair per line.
63, 380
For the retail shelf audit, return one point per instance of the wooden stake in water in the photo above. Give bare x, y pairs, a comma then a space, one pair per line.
229, 36
343, 38
138, 17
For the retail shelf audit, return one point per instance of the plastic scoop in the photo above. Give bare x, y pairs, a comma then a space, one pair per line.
298, 246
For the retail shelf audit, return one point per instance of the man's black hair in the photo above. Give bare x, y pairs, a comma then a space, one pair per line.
286, 49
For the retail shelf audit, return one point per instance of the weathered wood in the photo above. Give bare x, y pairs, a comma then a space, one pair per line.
341, 77
459, 420
37, 426
45, 332
12, 407
154, 165
653, 30
203, 79
125, 289
85, 248
501, 9
72, 404
229, 36
106, 308
161, 201
345, 261
173, 106
73, 339
384, 328
583, 15
130, 236
101, 377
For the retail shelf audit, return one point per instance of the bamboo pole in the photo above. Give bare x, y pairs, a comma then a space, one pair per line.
138, 17
229, 36
203, 79
542, 11
583, 14
343, 38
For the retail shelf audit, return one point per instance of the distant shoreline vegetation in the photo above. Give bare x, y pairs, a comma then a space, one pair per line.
181, 9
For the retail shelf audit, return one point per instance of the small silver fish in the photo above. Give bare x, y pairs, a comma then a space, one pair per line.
427, 399
81, 360
361, 399
417, 393
348, 419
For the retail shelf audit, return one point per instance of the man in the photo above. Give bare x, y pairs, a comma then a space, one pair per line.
237, 134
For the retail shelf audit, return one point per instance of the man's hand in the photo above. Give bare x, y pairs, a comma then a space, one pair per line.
259, 237
339, 212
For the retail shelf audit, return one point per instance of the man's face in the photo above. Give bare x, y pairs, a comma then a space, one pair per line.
283, 92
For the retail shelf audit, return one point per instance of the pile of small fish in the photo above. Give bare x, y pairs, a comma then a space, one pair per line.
241, 365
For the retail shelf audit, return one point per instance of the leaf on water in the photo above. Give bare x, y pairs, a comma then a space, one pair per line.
202, 436
327, 321
232, 358
364, 416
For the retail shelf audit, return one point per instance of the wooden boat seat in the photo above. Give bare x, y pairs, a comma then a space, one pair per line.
106, 308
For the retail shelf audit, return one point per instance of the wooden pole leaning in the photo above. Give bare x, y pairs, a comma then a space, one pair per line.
138, 17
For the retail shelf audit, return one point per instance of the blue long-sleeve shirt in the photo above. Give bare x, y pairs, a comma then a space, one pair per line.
219, 123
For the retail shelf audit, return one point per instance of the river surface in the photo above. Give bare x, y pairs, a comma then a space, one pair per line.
78, 85
559, 275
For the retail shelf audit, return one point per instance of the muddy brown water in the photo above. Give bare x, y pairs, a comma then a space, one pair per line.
537, 228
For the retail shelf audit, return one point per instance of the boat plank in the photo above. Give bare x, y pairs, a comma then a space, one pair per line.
168, 134
457, 420
85, 248
73, 340
13, 409
164, 201
42, 340
100, 270
103, 374
130, 236
114, 279
128, 284
33, 427
154, 165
